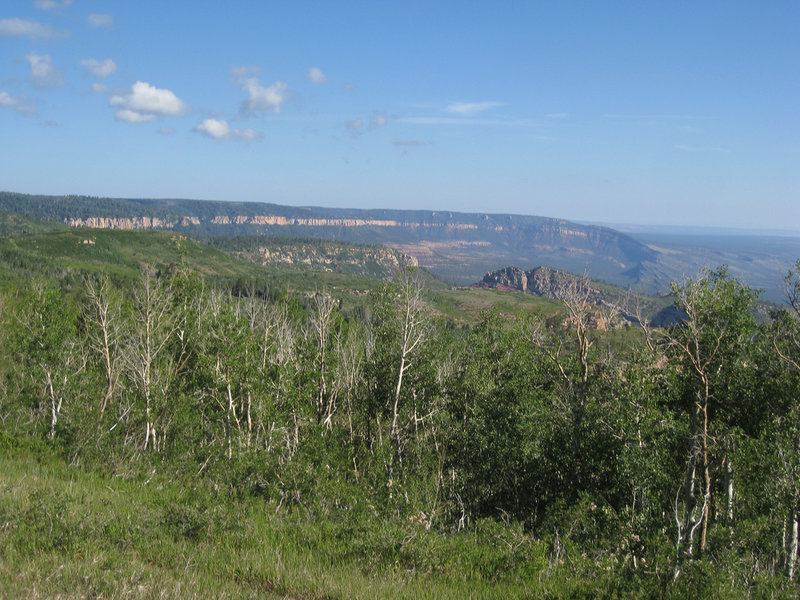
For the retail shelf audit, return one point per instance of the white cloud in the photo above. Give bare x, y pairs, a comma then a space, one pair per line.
99, 68
316, 75
17, 103
557, 115
27, 28
131, 116
260, 99
469, 109
99, 88
51, 4
166, 131
43, 73
263, 99
145, 102
220, 130
100, 20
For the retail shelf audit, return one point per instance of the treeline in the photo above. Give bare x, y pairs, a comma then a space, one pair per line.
59, 208
673, 460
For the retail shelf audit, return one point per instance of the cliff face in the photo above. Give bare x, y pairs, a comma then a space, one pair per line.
508, 279
130, 223
270, 220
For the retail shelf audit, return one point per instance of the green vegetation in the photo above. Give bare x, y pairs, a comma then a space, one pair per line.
175, 421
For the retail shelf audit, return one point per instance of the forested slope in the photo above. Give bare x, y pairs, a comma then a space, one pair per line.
388, 451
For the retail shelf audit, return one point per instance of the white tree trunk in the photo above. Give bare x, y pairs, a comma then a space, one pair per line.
792, 558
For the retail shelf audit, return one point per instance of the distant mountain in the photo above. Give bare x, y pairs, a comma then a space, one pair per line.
459, 247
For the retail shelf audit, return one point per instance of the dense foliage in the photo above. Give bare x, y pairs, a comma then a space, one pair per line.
667, 465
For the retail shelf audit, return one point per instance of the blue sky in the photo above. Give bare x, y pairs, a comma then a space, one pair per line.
669, 113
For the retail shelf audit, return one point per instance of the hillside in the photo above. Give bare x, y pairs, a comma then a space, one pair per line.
346, 271
165, 435
378, 262
458, 247
69, 255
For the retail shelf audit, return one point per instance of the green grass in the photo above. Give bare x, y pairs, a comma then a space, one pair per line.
16, 225
70, 533
121, 254
466, 304
66, 533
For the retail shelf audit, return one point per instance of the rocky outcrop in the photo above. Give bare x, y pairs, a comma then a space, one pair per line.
508, 279
553, 283
369, 261
541, 281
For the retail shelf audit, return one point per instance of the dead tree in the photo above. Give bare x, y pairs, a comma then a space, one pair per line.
146, 356
105, 334
413, 330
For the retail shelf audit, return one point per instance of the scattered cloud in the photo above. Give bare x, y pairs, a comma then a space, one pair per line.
470, 109
557, 115
99, 88
51, 124
243, 72
262, 99
376, 120
220, 130
99, 68
43, 73
702, 149
131, 116
247, 134
51, 4
146, 102
349, 86
166, 131
100, 20
315, 75
27, 28
17, 103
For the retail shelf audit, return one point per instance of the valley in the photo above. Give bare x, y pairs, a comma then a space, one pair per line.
458, 247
